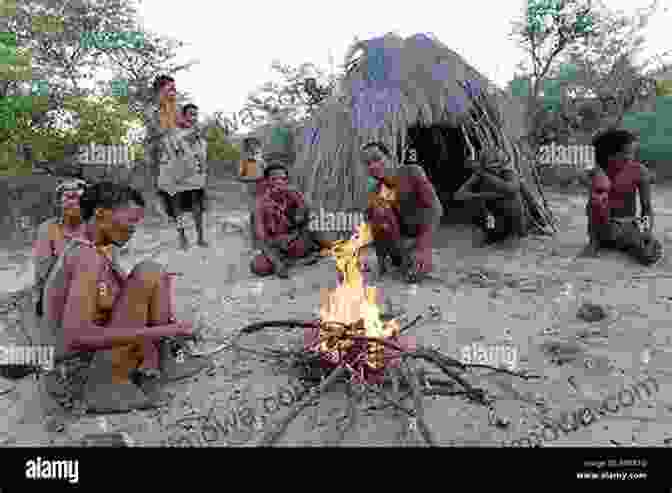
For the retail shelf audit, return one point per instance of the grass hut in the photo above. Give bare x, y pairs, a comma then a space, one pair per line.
414, 90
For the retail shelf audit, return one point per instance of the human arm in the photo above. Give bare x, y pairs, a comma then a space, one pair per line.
645, 195
259, 221
44, 254
80, 307
299, 208
425, 206
597, 209
505, 184
244, 172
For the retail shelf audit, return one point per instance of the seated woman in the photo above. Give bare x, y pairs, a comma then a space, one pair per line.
496, 187
612, 207
94, 305
54, 233
404, 211
282, 218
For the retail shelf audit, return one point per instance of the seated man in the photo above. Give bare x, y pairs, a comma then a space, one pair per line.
404, 211
612, 207
281, 225
93, 305
496, 187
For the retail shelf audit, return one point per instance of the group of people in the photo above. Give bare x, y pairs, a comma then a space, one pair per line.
85, 300
404, 210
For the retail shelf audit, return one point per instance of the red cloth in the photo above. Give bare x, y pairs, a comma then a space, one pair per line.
625, 179
272, 220
610, 191
599, 199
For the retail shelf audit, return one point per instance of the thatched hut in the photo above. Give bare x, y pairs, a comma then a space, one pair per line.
428, 96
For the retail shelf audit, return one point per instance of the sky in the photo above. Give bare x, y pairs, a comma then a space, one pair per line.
236, 43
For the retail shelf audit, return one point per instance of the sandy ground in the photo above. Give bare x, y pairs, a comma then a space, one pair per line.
513, 304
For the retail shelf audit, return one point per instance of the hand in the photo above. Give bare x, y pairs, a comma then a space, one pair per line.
423, 260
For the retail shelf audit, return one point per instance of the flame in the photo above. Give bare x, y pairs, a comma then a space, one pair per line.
351, 309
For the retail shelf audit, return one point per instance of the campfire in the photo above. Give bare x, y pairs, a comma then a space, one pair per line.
350, 318
352, 342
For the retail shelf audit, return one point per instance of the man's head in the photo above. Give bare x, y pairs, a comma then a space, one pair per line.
252, 147
375, 155
615, 145
69, 193
164, 87
277, 176
115, 209
190, 114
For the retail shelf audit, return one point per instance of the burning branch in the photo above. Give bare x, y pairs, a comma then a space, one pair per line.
352, 342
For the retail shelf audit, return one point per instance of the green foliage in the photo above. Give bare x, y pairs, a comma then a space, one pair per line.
655, 130
219, 146
101, 120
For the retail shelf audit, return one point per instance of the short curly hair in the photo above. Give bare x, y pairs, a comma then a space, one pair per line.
611, 142
108, 195
160, 81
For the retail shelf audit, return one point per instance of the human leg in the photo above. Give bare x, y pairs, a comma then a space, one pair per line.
386, 231
144, 305
198, 211
626, 236
174, 208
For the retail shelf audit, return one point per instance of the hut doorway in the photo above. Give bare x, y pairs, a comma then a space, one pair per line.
442, 151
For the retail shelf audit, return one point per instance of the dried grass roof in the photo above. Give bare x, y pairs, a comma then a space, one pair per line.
432, 87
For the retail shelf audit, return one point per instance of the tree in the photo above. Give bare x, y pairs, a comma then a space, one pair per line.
60, 56
298, 93
606, 66
220, 147
547, 29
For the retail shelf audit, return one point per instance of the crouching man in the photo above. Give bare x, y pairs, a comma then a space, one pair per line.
404, 211
612, 206
281, 226
495, 185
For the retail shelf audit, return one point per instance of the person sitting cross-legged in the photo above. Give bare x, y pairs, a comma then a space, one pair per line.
94, 305
282, 220
612, 206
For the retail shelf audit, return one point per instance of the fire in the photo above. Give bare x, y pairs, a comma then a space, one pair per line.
351, 309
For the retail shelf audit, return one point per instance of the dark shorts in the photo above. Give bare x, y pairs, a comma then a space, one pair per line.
188, 200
